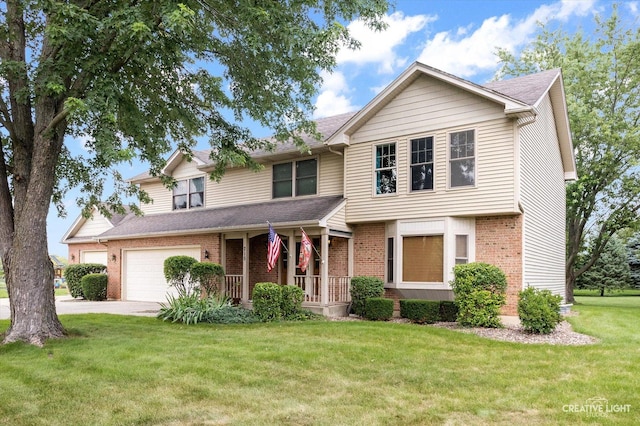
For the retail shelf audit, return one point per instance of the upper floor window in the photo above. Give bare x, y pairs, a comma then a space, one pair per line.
385, 169
422, 163
462, 159
303, 173
188, 194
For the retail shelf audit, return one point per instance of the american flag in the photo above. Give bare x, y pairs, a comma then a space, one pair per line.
273, 249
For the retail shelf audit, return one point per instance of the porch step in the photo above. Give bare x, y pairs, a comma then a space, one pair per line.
392, 293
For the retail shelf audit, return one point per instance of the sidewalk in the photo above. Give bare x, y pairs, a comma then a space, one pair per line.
68, 305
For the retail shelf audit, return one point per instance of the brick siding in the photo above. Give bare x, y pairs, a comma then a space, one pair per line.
499, 242
369, 250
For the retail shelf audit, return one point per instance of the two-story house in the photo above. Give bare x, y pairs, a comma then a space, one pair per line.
433, 172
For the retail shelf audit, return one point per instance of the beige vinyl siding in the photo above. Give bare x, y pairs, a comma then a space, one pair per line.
424, 105
95, 225
330, 174
186, 170
338, 220
543, 199
161, 196
494, 192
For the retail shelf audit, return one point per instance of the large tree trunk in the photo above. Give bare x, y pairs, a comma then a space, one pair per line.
31, 293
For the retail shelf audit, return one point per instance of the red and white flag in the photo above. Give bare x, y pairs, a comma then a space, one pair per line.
273, 249
305, 252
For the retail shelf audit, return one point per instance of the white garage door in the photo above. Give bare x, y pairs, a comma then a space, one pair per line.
94, 257
143, 273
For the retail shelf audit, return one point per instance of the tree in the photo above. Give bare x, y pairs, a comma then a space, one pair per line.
132, 79
633, 258
602, 84
610, 272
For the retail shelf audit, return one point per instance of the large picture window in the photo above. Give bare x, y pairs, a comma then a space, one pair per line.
422, 164
422, 258
188, 194
303, 173
385, 169
462, 159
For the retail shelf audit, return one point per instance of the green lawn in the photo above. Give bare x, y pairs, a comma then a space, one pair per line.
116, 370
4, 294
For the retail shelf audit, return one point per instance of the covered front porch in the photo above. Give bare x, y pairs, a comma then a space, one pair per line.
325, 282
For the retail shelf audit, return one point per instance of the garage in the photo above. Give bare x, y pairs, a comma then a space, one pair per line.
91, 256
143, 272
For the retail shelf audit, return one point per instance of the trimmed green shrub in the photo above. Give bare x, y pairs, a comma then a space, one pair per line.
176, 271
378, 309
191, 308
230, 315
448, 311
73, 275
267, 301
363, 288
207, 276
420, 311
291, 304
94, 286
539, 310
479, 290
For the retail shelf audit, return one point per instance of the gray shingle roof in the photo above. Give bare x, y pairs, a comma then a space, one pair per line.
304, 210
528, 89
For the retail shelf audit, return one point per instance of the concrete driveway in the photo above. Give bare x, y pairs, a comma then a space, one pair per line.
68, 305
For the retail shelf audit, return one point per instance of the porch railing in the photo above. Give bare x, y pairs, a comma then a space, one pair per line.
233, 286
339, 288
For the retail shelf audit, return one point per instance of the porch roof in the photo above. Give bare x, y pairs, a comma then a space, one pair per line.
291, 212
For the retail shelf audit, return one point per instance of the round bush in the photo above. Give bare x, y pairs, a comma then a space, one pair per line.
73, 275
363, 288
292, 297
267, 301
176, 270
206, 275
94, 286
539, 310
479, 290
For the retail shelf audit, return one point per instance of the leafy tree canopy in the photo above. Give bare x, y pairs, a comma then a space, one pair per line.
136, 79
602, 82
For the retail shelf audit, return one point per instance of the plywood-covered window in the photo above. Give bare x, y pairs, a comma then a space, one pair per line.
422, 258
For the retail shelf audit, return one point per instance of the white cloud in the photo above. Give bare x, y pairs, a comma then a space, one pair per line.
633, 7
380, 47
333, 98
465, 53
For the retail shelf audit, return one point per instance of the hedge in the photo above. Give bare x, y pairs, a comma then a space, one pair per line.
363, 288
378, 309
420, 311
73, 275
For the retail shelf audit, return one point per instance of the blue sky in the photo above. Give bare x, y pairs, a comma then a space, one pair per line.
457, 36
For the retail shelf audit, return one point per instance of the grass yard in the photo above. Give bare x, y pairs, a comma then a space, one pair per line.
118, 370
4, 294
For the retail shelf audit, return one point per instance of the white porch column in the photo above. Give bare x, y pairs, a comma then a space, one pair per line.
324, 268
245, 267
291, 257
351, 251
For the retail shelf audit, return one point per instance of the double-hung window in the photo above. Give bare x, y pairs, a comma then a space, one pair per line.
462, 249
385, 169
462, 159
188, 194
295, 178
422, 164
